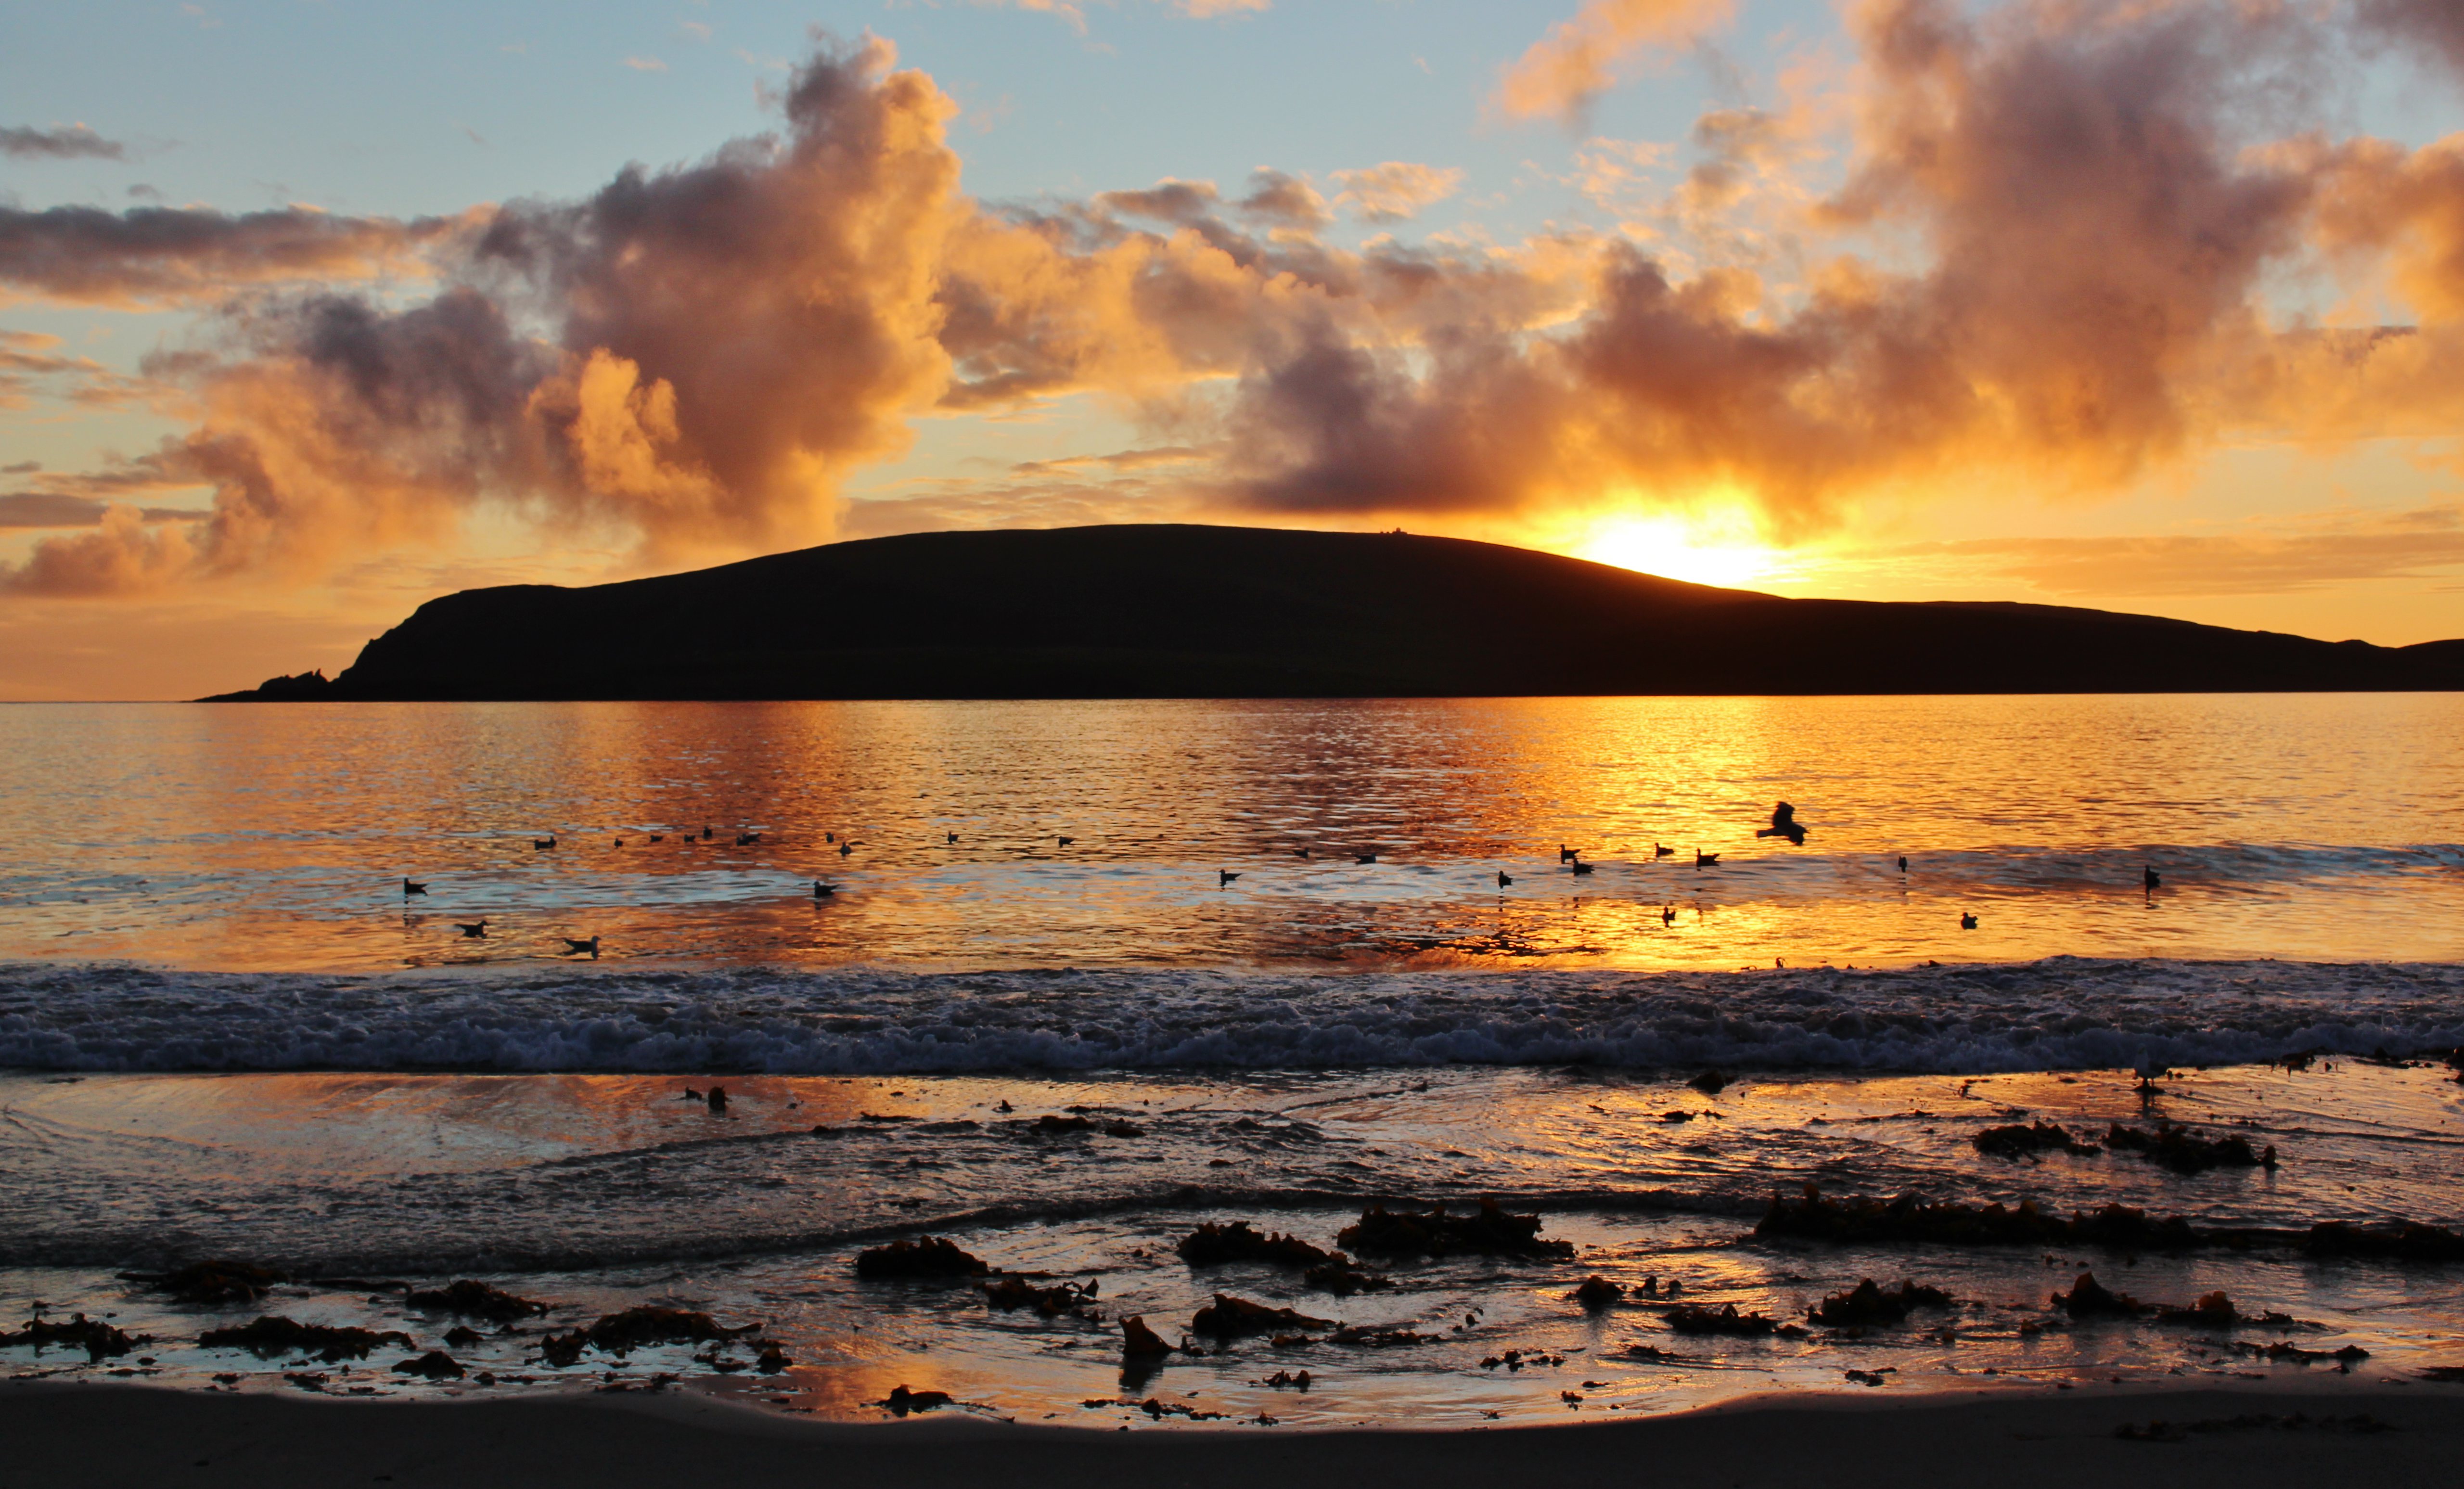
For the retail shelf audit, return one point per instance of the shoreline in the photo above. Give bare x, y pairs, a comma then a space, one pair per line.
134, 1435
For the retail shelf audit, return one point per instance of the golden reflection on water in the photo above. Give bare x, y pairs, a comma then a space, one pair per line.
276, 838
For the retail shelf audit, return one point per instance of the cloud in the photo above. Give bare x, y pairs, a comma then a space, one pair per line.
2436, 23
645, 64
2340, 551
21, 509
1396, 190
29, 366
1578, 60
160, 254
72, 141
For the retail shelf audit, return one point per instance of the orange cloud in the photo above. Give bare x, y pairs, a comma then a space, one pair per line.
1578, 60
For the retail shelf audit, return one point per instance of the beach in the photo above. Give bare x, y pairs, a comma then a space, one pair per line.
109, 1437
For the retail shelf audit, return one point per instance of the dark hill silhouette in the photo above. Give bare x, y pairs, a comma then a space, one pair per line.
1186, 611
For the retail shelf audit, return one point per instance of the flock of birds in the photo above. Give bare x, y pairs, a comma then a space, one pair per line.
1783, 825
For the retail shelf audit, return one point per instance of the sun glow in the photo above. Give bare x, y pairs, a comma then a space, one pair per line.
1681, 548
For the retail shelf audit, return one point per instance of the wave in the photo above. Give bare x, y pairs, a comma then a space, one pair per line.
2061, 1013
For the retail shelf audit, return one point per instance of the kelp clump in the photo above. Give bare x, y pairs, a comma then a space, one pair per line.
1488, 1232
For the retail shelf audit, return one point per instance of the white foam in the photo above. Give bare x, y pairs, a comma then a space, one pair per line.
2062, 1013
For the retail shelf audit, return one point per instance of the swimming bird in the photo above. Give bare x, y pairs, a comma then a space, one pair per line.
1703, 860
620, 842
1364, 858
742, 838
658, 837
823, 891
1582, 868
1966, 921
1065, 842
1300, 853
705, 831
1784, 824
1224, 876
409, 888
2150, 878
473, 930
845, 849
574, 948
830, 837
1903, 863
1567, 855
1668, 914
1661, 850
1504, 879
953, 837
545, 844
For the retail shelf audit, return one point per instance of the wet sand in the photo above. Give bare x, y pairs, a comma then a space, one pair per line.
111, 1435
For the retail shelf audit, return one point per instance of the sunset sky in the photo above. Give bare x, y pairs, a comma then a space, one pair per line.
312, 310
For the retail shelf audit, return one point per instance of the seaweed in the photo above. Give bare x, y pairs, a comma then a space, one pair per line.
1867, 1305
1360, 1338
1342, 1279
1490, 1232
930, 1256
2399, 1240
210, 1282
1233, 1318
637, 1328
2017, 1141
1700, 1317
434, 1365
273, 1335
1597, 1294
473, 1300
1066, 1299
99, 1339
1215, 1246
2215, 1310
900, 1401
2184, 1151
2090, 1299
1140, 1344
1910, 1218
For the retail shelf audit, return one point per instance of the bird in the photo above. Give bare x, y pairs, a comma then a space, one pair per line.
953, 837
409, 888
1966, 921
742, 838
1504, 879
658, 837
1668, 914
1784, 824
1703, 860
473, 930
1582, 868
1567, 855
1903, 863
1224, 876
830, 837
823, 891
574, 948
1660, 851
1065, 842
2150, 878
1300, 853
846, 850
705, 831
545, 844
620, 842
1364, 858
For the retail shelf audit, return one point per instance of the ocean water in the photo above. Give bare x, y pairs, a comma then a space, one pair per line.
225, 1030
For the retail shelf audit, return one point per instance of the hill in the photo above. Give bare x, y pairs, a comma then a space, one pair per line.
1191, 611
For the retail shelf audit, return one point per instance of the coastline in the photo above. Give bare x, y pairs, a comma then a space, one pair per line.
108, 1436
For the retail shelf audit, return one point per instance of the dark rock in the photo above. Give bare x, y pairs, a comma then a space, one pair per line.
1488, 1232
1235, 1318
1597, 1293
1711, 1083
901, 1400
1215, 1246
1867, 1305
2184, 1151
930, 1256
434, 1365
2017, 1141
473, 1300
1139, 1342
2089, 1299
1700, 1317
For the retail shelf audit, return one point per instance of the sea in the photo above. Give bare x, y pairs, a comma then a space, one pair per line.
1060, 983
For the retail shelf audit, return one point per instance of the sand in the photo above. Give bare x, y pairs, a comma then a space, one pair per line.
104, 1435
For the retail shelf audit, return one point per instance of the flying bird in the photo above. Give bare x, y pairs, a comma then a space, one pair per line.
1703, 860
1224, 876
1504, 879
409, 888
473, 930
574, 948
1966, 921
1784, 824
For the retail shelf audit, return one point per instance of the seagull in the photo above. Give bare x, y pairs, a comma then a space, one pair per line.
409, 888
1659, 851
1966, 921
823, 891
545, 844
1582, 868
1504, 879
574, 948
658, 837
953, 837
1903, 863
1703, 860
2150, 878
473, 930
846, 850
1567, 855
1668, 914
1784, 824
744, 838
1224, 876
705, 831
1364, 858
1065, 842
830, 837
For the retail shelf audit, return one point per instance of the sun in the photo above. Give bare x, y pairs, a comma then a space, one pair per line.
1676, 547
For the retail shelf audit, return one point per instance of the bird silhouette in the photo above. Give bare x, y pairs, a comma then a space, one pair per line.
409, 888
1661, 850
705, 832
823, 891
658, 837
1903, 863
830, 837
1668, 914
953, 837
1504, 879
574, 948
1582, 868
1784, 824
545, 844
1065, 842
1966, 921
1224, 876
1364, 858
1703, 860
846, 850
471, 930
746, 838
1300, 852
1567, 855
2150, 878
